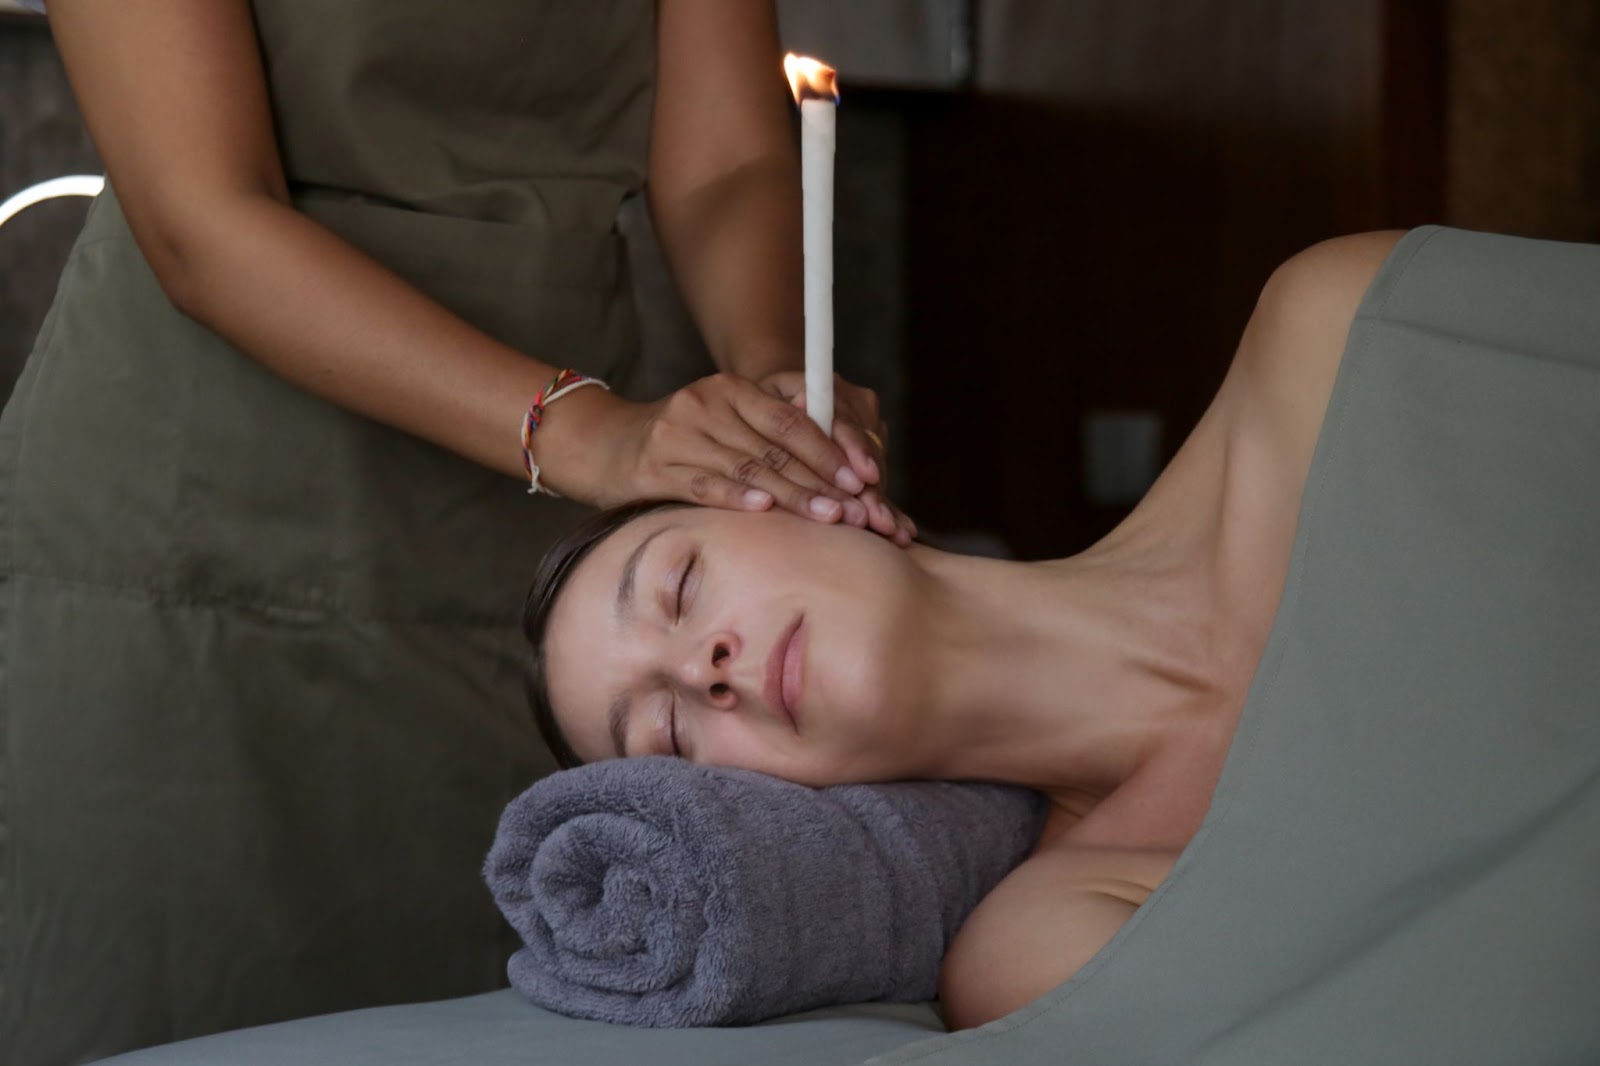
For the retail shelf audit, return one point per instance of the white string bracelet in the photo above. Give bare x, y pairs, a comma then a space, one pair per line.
563, 383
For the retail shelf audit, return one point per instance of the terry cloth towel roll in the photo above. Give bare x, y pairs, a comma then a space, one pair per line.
655, 892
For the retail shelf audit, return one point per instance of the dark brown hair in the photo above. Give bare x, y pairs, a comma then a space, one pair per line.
554, 570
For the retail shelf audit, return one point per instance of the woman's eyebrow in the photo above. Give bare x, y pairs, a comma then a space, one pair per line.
630, 571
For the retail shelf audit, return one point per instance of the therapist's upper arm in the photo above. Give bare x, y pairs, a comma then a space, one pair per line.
722, 103
175, 96
1039, 926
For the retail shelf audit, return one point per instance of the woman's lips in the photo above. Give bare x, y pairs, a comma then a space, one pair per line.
785, 664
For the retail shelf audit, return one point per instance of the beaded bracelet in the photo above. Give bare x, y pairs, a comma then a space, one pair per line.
563, 383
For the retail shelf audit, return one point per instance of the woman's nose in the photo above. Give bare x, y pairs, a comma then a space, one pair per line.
708, 669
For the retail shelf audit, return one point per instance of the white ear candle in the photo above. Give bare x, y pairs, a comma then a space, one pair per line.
817, 139
817, 94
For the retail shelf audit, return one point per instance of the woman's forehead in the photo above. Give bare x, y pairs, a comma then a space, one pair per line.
580, 631
593, 588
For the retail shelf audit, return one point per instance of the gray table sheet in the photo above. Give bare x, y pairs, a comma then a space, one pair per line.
502, 1029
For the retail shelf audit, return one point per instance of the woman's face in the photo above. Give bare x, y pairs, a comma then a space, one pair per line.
760, 641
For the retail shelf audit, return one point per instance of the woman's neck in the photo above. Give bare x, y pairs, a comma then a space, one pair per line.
1068, 675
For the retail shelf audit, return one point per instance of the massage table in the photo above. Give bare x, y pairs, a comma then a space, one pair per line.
1401, 861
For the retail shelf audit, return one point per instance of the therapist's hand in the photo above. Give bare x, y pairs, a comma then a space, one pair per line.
859, 430
721, 441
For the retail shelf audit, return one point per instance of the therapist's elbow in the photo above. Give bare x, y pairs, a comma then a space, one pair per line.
178, 269
194, 250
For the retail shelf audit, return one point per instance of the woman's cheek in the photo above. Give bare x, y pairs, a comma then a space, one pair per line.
734, 746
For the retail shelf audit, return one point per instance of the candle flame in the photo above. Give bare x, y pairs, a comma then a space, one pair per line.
810, 79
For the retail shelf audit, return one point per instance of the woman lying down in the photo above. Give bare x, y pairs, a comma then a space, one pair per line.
1319, 723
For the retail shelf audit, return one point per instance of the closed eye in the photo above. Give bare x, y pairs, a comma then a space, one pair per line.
683, 583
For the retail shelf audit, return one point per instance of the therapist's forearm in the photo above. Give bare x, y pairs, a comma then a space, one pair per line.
734, 247
323, 315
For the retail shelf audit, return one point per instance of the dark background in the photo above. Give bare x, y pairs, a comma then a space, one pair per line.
1054, 215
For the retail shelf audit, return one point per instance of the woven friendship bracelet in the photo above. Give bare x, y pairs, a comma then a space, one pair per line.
563, 383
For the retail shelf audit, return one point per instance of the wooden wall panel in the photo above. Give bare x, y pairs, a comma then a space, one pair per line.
1524, 117
1090, 232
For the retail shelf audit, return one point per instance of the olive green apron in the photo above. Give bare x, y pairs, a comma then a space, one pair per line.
260, 678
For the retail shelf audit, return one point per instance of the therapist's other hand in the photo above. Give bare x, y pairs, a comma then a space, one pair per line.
858, 428
721, 441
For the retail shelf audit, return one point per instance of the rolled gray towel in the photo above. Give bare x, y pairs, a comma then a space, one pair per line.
655, 892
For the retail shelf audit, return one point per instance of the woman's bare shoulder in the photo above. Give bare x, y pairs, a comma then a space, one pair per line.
1339, 267
1040, 925
1295, 340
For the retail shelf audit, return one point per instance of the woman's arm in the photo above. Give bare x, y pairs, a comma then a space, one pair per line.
176, 99
175, 96
724, 187
1039, 926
